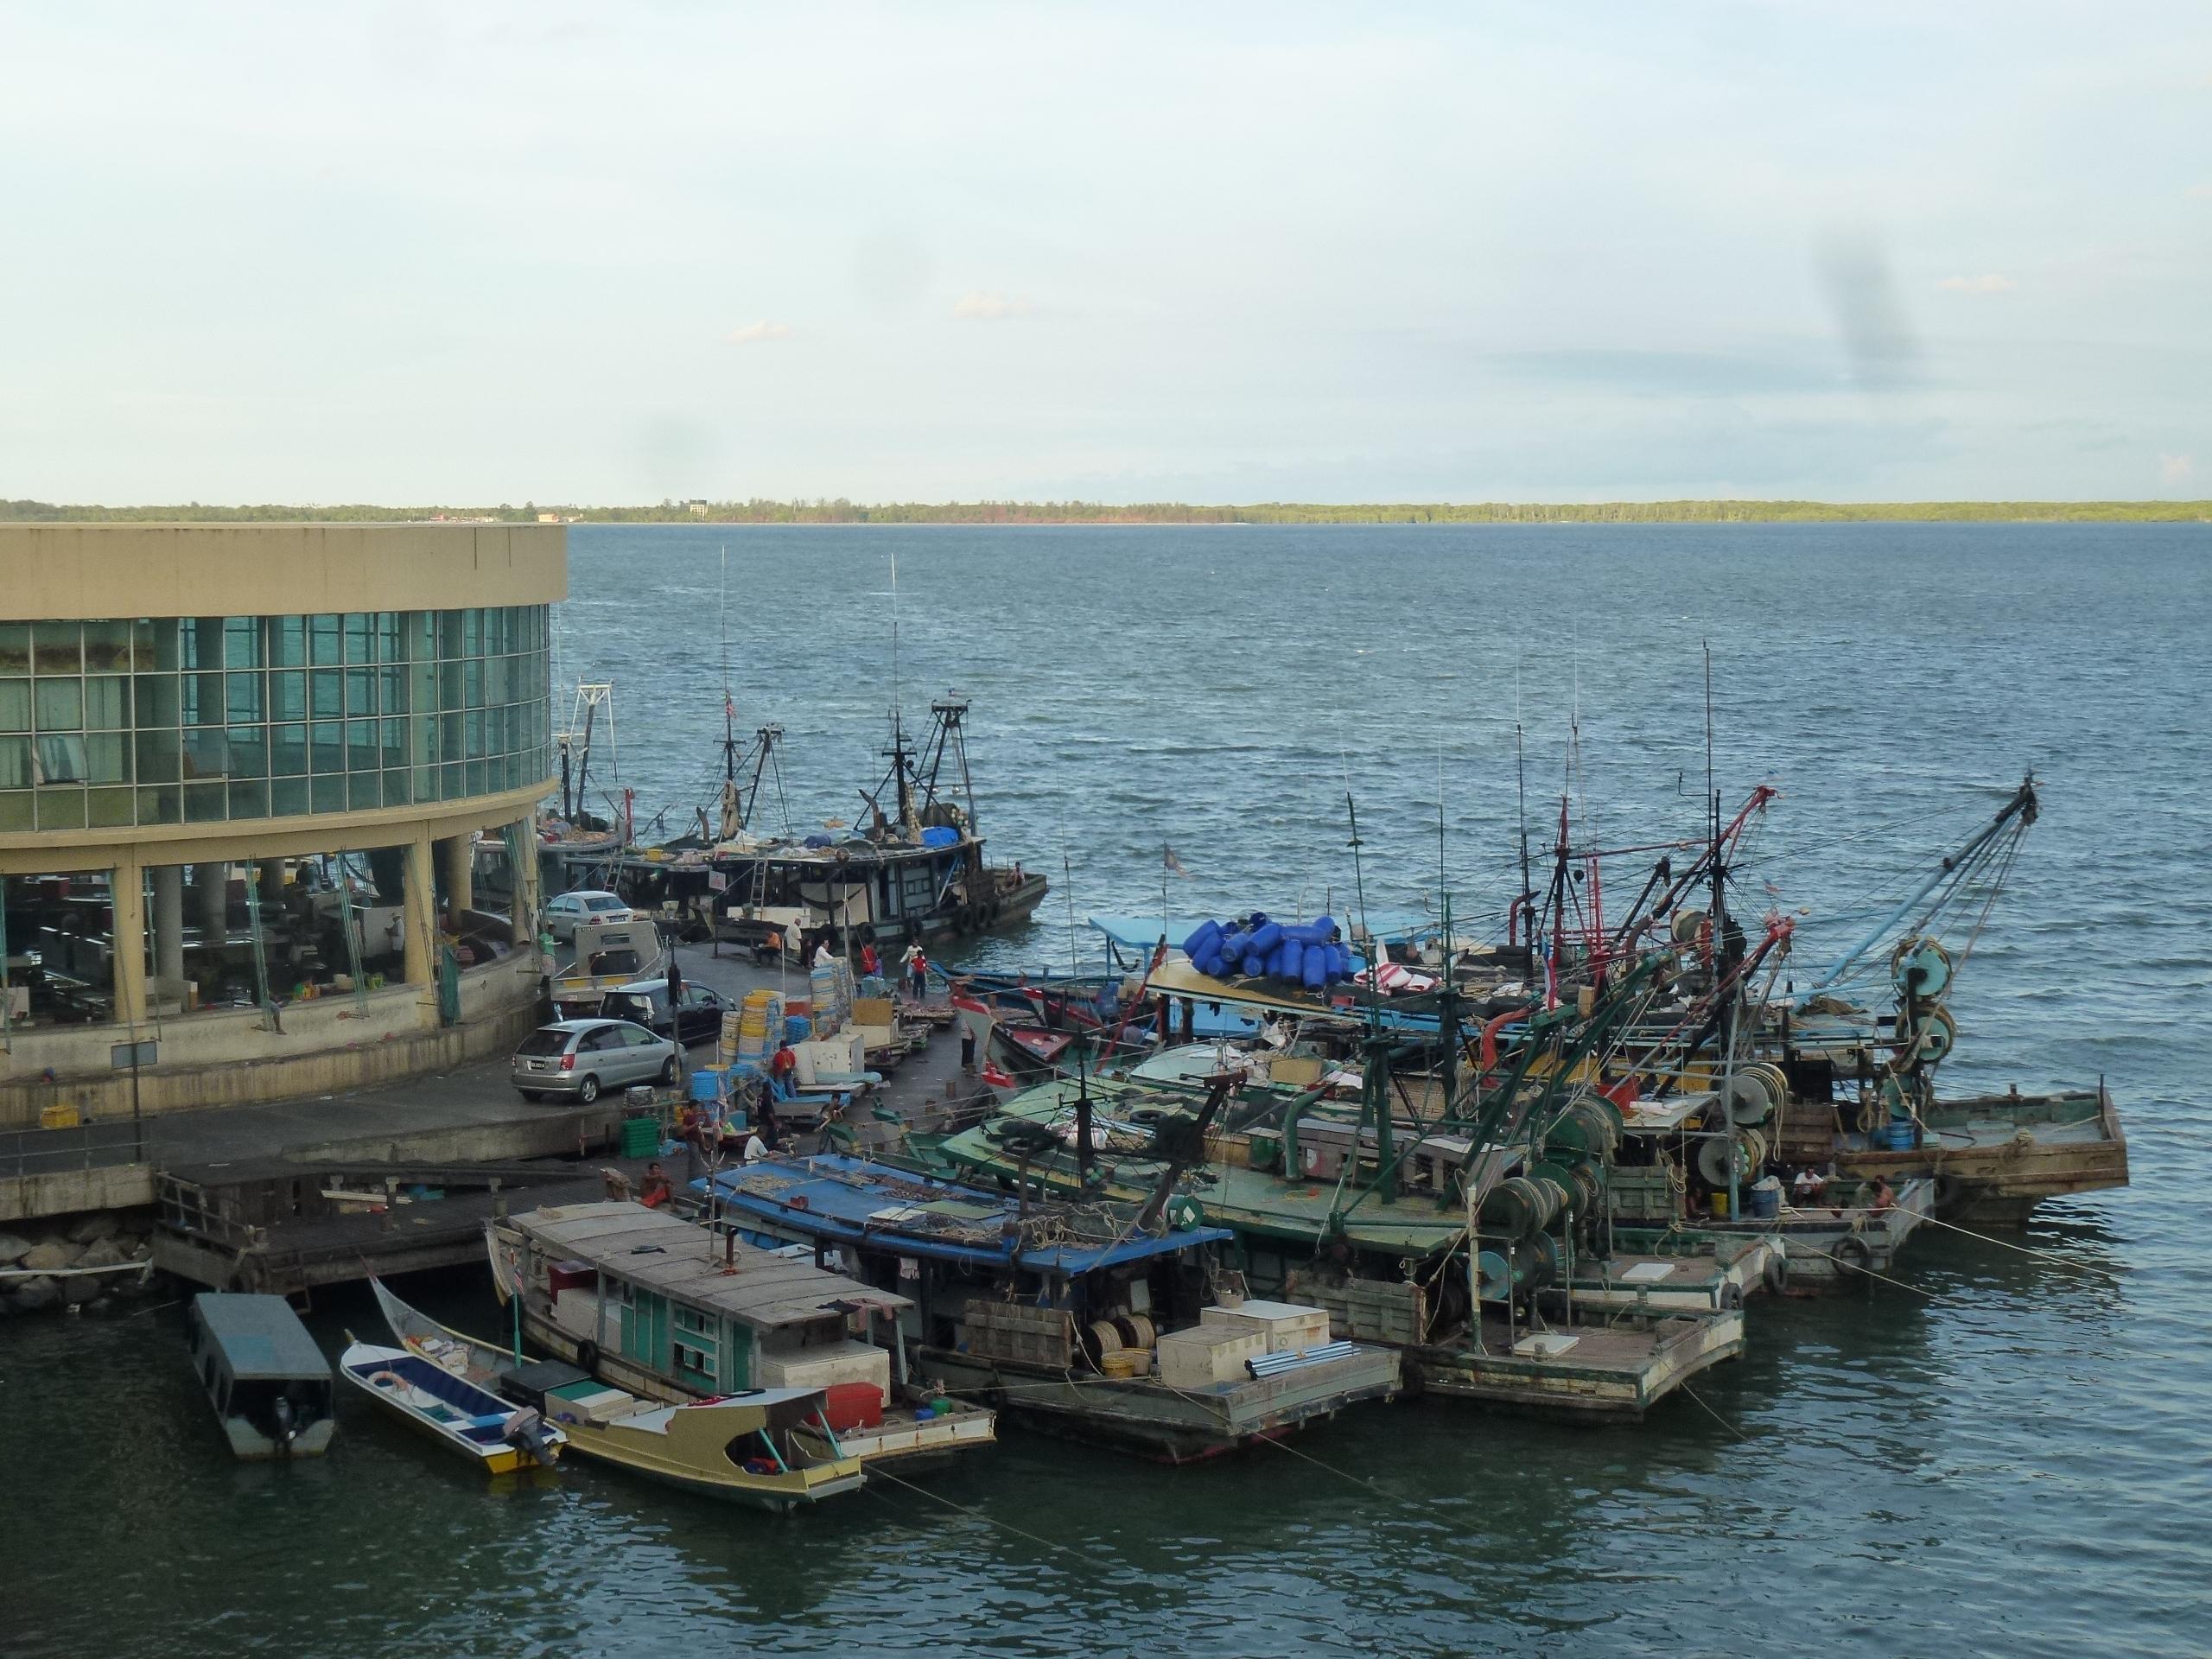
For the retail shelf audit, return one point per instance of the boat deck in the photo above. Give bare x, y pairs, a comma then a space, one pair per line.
1616, 1370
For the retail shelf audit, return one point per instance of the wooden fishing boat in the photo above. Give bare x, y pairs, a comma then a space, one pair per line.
465, 1417
1391, 1267
1092, 1324
269, 1382
665, 1310
743, 1450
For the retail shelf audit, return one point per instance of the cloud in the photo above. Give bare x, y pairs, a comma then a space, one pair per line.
2199, 192
976, 306
1987, 282
754, 333
2174, 470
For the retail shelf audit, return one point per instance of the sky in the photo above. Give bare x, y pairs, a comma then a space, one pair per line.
415, 254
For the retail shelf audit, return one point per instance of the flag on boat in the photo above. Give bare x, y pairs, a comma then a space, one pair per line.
1169, 860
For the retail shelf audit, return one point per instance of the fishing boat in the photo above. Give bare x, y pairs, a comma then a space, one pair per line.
1097, 1323
666, 1310
269, 1384
745, 1449
461, 1415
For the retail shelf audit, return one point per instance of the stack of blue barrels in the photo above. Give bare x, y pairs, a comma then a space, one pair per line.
1310, 954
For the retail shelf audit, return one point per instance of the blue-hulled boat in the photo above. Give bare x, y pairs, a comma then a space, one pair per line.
467, 1421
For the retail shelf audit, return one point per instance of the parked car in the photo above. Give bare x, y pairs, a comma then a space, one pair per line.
581, 1058
585, 905
698, 1014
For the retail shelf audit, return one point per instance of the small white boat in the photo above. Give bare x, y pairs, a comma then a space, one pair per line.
470, 1422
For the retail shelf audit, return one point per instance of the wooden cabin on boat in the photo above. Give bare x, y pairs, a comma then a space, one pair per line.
269, 1384
666, 1309
1076, 1319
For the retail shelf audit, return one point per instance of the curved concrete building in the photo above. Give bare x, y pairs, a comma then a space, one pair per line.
249, 777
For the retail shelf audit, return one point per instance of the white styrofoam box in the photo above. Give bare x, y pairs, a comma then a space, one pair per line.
1207, 1354
818, 1366
1286, 1326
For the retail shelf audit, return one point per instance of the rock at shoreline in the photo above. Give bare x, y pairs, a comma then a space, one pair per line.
32, 1296
100, 1224
50, 1253
13, 1247
80, 1289
103, 1252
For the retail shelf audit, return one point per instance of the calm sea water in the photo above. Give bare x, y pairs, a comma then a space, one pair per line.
2014, 1457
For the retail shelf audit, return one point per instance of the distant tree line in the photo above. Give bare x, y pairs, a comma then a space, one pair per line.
759, 511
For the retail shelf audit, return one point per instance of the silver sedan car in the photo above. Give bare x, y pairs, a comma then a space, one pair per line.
580, 1057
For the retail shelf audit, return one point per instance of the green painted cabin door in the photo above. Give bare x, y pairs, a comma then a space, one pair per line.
645, 1330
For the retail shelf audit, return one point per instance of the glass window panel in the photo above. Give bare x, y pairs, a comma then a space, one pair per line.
475, 738
58, 647
449, 737
14, 705
243, 698
391, 647
361, 745
61, 705
15, 647
61, 808
107, 647
241, 642
288, 797
476, 777
288, 641
203, 803
327, 687
203, 698
364, 791
167, 656
249, 746
207, 754
15, 810
329, 746
155, 699
162, 805
357, 637
472, 679
449, 634
288, 751
323, 635
472, 632
202, 638
14, 763
108, 809
61, 759
360, 691
449, 685
395, 743
107, 702
418, 632
449, 782
329, 794
393, 687
107, 758
395, 786
288, 696
250, 800
426, 783
159, 758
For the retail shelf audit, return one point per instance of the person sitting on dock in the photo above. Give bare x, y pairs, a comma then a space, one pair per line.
657, 1192
1805, 1191
1879, 1197
755, 1147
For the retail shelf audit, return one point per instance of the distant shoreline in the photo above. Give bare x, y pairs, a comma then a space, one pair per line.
1044, 514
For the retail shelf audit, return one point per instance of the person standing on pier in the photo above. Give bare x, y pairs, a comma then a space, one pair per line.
918, 971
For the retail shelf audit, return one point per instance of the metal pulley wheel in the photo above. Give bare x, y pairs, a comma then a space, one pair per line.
1749, 1096
1739, 1155
1688, 926
1920, 968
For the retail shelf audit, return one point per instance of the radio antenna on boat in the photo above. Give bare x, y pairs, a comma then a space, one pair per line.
729, 707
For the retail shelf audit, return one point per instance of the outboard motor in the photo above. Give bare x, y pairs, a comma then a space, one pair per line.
526, 1429
286, 1424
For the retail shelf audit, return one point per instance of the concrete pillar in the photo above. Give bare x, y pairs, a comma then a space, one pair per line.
457, 864
419, 899
169, 921
525, 881
211, 890
272, 888
127, 890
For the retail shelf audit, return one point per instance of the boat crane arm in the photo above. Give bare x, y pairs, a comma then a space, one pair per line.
2018, 812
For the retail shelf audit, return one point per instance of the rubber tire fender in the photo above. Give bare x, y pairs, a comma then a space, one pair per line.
587, 1356
1775, 1274
1851, 1256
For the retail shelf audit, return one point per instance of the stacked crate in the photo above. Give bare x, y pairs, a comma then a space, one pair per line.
750, 1034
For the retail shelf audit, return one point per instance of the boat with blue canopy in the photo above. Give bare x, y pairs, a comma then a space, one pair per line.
465, 1417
